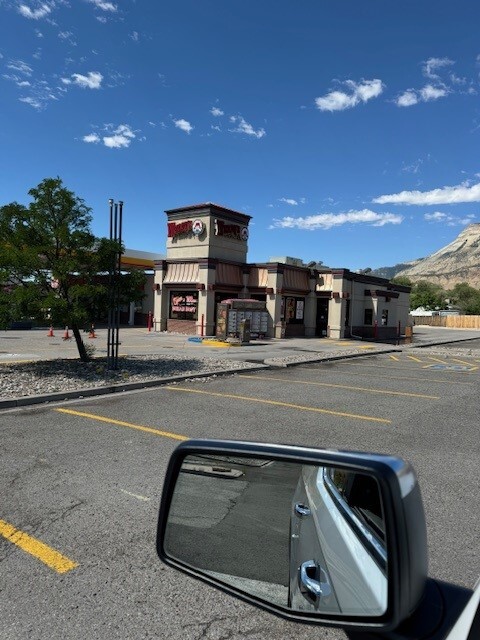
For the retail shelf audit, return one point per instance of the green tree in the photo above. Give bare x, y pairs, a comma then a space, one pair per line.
427, 295
402, 280
467, 298
52, 267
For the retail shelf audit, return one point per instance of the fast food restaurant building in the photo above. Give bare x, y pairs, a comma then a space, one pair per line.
206, 263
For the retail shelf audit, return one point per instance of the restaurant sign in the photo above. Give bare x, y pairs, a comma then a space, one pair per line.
230, 230
176, 229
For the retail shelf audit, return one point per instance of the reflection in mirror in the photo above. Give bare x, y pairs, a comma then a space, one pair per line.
303, 537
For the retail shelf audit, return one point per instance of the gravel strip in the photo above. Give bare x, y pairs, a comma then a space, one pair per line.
51, 376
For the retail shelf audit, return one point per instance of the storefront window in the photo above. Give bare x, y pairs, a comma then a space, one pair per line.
183, 305
294, 310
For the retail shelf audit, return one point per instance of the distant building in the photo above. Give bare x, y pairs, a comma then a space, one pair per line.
206, 263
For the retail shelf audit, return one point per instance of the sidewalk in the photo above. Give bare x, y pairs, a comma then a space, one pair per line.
21, 346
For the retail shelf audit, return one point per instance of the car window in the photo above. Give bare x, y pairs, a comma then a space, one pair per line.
358, 496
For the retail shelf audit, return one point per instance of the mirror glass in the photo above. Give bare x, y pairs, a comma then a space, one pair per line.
302, 537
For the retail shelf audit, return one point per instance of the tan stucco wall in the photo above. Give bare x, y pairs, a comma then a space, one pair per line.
207, 244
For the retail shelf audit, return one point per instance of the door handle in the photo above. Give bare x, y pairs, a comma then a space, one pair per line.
308, 582
301, 509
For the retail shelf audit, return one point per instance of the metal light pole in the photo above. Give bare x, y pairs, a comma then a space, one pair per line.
114, 274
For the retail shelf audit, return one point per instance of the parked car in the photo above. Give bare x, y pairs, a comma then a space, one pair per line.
334, 538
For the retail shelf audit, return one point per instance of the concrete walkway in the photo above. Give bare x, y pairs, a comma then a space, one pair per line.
21, 346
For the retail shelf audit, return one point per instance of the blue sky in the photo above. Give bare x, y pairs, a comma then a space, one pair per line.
349, 130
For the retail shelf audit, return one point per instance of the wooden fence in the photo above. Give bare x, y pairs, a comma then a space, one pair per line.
451, 322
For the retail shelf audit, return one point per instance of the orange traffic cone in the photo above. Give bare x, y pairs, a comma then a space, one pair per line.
50, 333
92, 333
66, 335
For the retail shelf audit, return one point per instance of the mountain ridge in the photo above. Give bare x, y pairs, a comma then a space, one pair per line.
457, 262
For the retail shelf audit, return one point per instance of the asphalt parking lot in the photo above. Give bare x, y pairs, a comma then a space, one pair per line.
82, 483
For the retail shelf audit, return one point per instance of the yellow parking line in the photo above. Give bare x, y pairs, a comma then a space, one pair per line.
462, 361
437, 360
41, 551
394, 358
17, 361
121, 423
415, 359
282, 404
342, 386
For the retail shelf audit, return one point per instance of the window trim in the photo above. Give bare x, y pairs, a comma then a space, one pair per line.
365, 535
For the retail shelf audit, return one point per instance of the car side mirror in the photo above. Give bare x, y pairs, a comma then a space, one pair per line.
327, 537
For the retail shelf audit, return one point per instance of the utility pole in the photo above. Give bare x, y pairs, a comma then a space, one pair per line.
114, 275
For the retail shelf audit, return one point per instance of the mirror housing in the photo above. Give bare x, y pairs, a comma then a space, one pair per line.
403, 515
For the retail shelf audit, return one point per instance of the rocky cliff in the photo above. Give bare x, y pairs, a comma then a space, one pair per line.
459, 261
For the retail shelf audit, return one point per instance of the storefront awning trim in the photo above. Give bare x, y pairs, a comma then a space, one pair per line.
182, 273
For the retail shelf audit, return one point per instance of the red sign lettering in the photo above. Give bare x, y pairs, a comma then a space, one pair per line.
178, 229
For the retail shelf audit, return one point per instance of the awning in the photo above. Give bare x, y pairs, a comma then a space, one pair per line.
229, 274
181, 273
294, 280
257, 278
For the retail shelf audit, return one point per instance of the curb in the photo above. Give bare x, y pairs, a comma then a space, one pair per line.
89, 392
347, 356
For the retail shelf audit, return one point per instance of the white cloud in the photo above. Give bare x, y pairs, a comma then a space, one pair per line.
134, 36
244, 127
101, 19
290, 201
446, 195
449, 220
407, 99
91, 138
431, 66
33, 102
329, 220
362, 91
434, 90
38, 33
429, 92
35, 14
20, 66
438, 216
184, 125
104, 6
91, 81
120, 138
115, 138
215, 111
17, 79
67, 35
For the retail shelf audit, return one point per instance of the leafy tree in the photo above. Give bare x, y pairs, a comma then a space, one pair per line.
51, 265
402, 280
427, 295
467, 298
